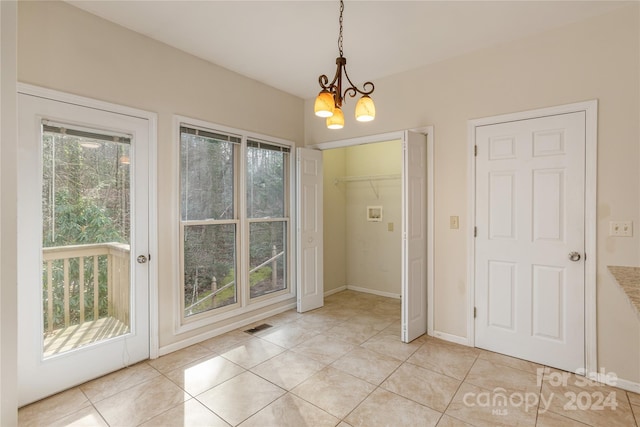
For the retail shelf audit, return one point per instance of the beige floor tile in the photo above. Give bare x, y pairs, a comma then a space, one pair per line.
334, 391
428, 380
141, 403
551, 419
240, 397
555, 376
188, 414
203, 374
352, 332
383, 408
291, 411
340, 313
394, 329
253, 352
447, 421
423, 386
226, 342
367, 365
288, 369
479, 407
282, 318
376, 321
86, 417
52, 408
592, 404
323, 349
489, 375
509, 361
179, 358
118, 381
391, 345
448, 359
318, 321
289, 335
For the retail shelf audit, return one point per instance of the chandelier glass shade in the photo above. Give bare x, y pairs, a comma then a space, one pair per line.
329, 102
336, 120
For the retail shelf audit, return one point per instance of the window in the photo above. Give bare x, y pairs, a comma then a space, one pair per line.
267, 211
234, 221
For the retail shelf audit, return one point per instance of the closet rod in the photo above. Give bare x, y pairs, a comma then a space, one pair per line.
367, 178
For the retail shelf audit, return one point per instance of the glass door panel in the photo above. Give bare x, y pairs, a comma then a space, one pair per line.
86, 237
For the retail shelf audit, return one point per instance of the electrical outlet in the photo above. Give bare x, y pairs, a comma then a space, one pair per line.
621, 228
454, 222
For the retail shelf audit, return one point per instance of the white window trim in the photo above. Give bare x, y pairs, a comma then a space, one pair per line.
245, 304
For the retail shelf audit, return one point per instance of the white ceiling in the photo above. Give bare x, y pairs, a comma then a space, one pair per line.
288, 44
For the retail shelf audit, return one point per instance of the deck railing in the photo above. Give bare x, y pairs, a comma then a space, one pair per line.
76, 274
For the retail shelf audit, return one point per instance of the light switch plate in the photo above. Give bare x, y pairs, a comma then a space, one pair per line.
621, 228
454, 222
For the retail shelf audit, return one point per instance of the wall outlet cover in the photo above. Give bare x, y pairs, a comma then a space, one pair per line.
621, 228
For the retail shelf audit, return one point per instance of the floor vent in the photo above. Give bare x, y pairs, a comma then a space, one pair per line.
258, 328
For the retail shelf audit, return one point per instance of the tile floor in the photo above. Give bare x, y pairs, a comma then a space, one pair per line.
342, 365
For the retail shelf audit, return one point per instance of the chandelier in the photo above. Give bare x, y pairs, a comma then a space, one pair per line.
329, 101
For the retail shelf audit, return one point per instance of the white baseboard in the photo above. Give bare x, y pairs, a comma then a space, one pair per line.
373, 291
221, 330
335, 291
617, 382
451, 338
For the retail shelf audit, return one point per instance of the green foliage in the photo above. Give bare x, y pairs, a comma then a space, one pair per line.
259, 275
84, 201
81, 221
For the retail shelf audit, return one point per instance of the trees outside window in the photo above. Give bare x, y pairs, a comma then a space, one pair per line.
212, 223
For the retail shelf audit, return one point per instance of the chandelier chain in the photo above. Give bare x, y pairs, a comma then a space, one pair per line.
340, 36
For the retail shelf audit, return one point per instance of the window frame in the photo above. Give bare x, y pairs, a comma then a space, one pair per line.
244, 303
286, 219
204, 222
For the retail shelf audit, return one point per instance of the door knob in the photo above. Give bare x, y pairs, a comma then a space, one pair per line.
574, 256
141, 259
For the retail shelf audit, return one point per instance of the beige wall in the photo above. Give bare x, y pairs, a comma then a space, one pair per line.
359, 253
594, 59
8, 215
64, 48
373, 252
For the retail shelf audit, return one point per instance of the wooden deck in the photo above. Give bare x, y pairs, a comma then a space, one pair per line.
62, 340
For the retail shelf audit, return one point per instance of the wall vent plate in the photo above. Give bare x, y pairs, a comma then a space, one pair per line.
258, 328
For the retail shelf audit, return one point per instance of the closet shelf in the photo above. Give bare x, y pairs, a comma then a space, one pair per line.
367, 178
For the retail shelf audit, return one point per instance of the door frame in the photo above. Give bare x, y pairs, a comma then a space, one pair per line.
399, 135
152, 119
590, 108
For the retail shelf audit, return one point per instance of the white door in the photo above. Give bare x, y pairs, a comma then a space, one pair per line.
414, 236
310, 286
83, 224
530, 218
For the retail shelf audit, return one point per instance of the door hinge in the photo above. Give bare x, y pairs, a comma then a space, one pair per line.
475, 150
475, 312
475, 231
